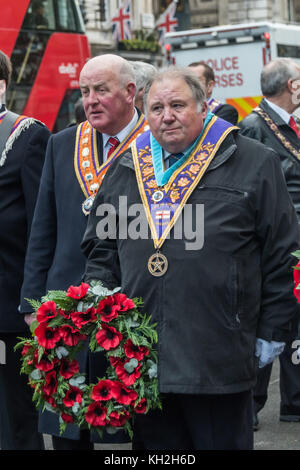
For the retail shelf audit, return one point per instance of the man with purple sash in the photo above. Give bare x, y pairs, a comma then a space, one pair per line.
192, 225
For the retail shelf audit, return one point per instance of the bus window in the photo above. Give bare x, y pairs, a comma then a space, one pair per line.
67, 17
40, 15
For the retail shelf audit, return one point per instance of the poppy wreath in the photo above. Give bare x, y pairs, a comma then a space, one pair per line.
111, 323
297, 276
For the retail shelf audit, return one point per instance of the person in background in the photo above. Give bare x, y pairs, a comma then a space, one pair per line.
23, 142
71, 178
217, 313
143, 72
273, 124
207, 77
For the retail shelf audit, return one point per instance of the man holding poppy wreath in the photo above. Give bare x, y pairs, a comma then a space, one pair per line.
213, 303
77, 159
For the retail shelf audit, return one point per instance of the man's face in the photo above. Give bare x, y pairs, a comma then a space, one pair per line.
173, 116
108, 105
199, 71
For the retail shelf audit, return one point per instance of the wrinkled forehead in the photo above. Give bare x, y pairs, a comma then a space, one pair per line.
167, 88
94, 73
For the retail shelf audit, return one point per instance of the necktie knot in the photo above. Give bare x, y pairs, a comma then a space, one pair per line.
294, 126
174, 157
113, 142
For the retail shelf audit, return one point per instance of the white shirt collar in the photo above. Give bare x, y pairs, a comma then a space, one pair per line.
285, 116
121, 135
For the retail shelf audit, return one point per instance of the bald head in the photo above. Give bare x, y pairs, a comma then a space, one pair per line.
115, 63
107, 86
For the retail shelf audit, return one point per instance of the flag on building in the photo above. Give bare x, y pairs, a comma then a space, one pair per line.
167, 21
121, 22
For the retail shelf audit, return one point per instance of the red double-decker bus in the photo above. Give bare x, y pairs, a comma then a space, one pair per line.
46, 42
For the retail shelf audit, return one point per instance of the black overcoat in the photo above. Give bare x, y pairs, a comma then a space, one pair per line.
214, 301
19, 183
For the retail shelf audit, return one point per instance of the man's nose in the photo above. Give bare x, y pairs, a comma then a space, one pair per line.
93, 97
168, 114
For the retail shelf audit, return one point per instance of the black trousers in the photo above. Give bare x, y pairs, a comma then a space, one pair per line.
18, 415
197, 422
289, 384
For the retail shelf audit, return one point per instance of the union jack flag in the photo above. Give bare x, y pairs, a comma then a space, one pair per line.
167, 22
121, 22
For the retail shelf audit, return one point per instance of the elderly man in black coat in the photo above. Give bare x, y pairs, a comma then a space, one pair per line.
23, 143
273, 124
213, 269
76, 161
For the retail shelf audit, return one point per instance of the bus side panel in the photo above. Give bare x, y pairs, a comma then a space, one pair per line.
11, 18
59, 71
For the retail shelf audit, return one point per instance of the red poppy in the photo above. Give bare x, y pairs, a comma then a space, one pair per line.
96, 414
71, 336
46, 312
45, 363
67, 418
123, 302
73, 395
114, 360
82, 318
297, 293
108, 337
64, 314
105, 390
126, 377
141, 407
297, 273
77, 292
133, 351
51, 401
47, 337
118, 419
126, 396
50, 386
26, 350
68, 368
107, 309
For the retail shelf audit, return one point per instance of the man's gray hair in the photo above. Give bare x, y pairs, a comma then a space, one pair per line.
275, 75
127, 74
174, 72
143, 73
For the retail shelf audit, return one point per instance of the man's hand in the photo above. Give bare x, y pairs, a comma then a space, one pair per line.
29, 318
267, 351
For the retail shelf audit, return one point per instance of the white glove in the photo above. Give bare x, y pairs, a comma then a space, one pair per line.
267, 351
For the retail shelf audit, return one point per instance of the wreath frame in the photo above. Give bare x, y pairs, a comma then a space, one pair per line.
111, 323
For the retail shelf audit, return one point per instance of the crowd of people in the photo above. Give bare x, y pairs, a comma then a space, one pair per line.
224, 310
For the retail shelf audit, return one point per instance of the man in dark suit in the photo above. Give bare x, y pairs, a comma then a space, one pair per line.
73, 172
207, 77
272, 123
23, 143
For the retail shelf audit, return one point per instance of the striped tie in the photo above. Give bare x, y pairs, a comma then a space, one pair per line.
294, 126
113, 142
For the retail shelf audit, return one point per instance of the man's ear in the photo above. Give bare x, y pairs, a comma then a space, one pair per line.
131, 89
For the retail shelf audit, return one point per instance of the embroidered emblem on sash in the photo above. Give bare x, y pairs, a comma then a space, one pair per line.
275, 130
162, 212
